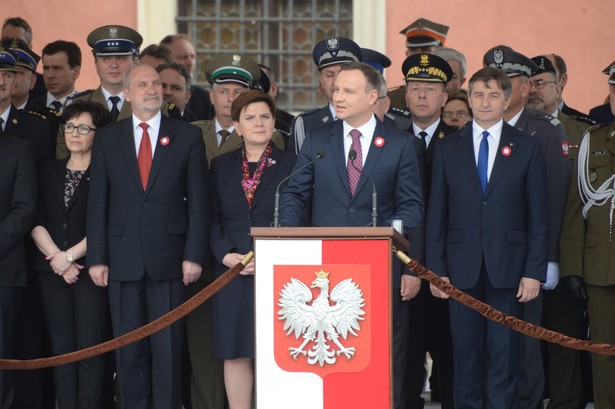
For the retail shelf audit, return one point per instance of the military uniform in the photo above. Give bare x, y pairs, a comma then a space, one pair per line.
588, 248
398, 118
327, 52
232, 141
575, 128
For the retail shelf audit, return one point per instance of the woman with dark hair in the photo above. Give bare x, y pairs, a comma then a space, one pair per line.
456, 111
76, 310
244, 182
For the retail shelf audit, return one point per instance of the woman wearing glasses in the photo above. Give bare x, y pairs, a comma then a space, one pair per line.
76, 310
457, 110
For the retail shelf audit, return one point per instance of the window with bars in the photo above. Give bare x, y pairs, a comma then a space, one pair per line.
277, 33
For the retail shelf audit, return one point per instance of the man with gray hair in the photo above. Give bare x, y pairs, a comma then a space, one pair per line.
458, 63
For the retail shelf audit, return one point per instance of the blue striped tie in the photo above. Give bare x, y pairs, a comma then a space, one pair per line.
483, 162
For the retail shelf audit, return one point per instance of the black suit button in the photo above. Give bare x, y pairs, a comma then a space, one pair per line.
65, 243
351, 210
144, 204
479, 231
484, 203
64, 226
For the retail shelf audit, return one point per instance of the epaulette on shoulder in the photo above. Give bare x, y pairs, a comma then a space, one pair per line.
34, 113
283, 132
584, 119
401, 112
551, 119
170, 107
80, 94
54, 112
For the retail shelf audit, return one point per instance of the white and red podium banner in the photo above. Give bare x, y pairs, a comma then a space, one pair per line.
323, 333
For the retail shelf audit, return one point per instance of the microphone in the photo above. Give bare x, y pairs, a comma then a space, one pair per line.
276, 214
352, 155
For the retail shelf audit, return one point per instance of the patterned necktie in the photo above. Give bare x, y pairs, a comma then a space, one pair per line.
57, 105
483, 162
144, 158
115, 112
354, 172
423, 136
224, 134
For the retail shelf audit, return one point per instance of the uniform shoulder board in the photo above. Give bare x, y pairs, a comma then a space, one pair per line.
554, 121
30, 112
401, 112
54, 112
170, 107
584, 119
282, 132
80, 94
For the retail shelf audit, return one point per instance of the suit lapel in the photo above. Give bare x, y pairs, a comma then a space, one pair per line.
465, 147
232, 142
373, 154
501, 161
267, 177
166, 130
59, 176
337, 150
127, 142
81, 187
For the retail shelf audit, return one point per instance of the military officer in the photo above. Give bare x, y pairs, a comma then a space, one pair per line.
552, 136
603, 114
559, 312
229, 75
327, 54
587, 248
422, 36
397, 118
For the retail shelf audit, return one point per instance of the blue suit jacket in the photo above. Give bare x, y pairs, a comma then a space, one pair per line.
507, 227
135, 231
393, 168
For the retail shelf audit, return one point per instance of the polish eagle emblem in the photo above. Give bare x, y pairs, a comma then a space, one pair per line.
324, 320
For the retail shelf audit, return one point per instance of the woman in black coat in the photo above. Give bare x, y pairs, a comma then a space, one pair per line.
244, 182
76, 310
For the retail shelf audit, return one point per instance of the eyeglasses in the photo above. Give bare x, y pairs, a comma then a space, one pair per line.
458, 114
540, 84
81, 129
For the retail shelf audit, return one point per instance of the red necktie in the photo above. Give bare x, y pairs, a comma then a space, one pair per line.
144, 158
354, 167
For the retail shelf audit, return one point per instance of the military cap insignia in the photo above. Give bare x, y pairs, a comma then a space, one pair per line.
424, 59
498, 56
113, 32
333, 43
236, 59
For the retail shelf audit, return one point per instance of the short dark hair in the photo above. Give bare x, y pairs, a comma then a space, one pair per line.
72, 50
177, 67
20, 22
251, 97
157, 51
100, 114
487, 74
371, 75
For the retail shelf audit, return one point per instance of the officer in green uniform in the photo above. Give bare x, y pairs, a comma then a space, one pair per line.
422, 36
587, 247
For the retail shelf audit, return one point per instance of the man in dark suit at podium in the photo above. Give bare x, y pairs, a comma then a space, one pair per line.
148, 222
487, 234
340, 194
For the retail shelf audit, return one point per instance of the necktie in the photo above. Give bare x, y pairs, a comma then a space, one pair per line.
224, 134
144, 158
115, 112
57, 105
423, 136
354, 172
483, 162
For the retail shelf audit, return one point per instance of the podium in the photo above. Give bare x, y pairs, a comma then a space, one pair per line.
323, 317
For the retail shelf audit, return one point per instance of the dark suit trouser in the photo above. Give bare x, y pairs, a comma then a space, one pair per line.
77, 317
485, 352
149, 371
531, 386
400, 347
429, 331
563, 365
601, 306
207, 380
9, 304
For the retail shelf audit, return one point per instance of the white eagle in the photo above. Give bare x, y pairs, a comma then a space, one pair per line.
321, 322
